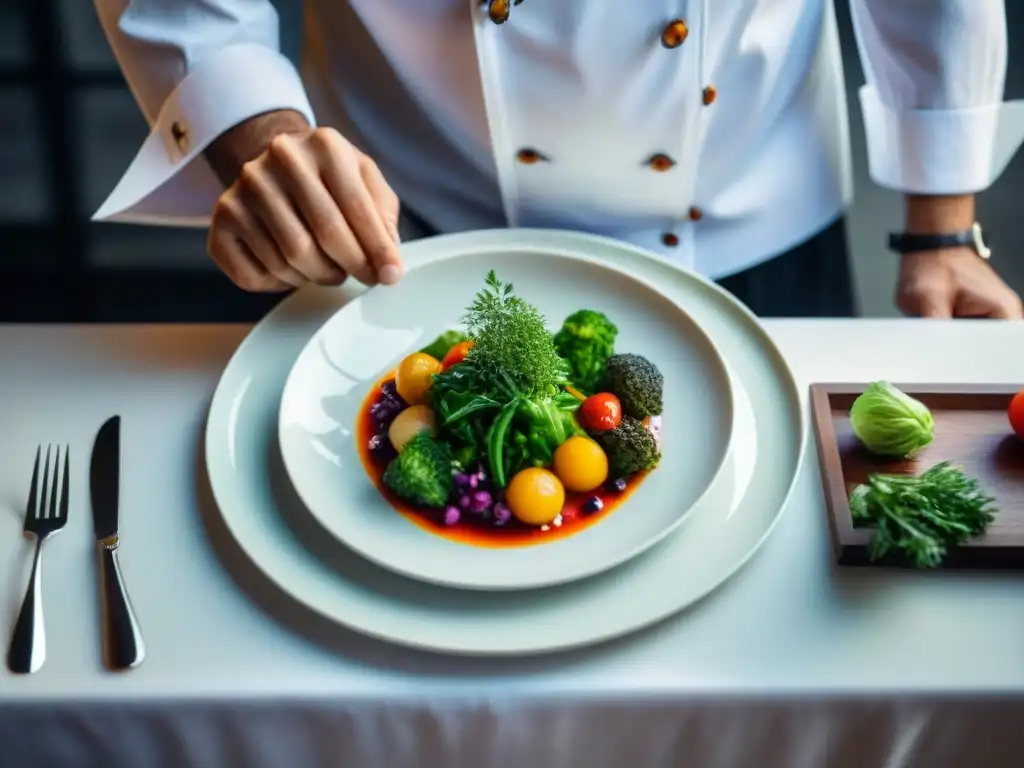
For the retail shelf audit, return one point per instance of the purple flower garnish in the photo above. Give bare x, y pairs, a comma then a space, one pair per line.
592, 505
465, 501
381, 447
383, 412
462, 479
481, 501
389, 388
451, 515
474, 481
502, 514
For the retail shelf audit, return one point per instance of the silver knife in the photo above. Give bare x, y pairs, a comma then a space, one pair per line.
122, 640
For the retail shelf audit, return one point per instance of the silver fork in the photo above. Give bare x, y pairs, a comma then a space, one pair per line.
46, 513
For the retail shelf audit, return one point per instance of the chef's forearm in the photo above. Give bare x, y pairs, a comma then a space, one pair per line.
248, 140
939, 214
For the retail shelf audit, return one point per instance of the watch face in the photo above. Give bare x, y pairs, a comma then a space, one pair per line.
979, 242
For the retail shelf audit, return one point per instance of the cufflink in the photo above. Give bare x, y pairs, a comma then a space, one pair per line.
180, 135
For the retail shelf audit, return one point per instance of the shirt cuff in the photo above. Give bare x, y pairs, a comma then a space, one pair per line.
940, 152
169, 182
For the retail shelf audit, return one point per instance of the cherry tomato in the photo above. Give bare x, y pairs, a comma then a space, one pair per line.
581, 464
535, 496
414, 377
601, 412
456, 354
1016, 414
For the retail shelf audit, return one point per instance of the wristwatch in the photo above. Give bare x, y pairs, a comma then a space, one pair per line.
971, 238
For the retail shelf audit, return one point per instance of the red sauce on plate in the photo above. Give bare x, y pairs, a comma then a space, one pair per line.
476, 531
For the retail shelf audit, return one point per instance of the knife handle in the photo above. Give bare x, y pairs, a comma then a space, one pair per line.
122, 640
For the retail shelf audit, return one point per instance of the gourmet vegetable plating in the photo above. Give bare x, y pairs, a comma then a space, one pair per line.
507, 426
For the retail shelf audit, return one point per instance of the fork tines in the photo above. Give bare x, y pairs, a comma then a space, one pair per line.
48, 500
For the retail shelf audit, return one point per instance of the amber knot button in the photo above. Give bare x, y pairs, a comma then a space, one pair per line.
674, 33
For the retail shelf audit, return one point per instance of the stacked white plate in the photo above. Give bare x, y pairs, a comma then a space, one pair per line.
284, 463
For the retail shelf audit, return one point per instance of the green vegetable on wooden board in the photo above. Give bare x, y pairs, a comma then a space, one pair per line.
889, 422
921, 516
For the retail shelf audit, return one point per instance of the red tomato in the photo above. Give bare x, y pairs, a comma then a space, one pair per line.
456, 354
1016, 414
601, 412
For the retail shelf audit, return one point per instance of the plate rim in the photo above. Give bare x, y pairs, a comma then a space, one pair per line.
221, 406
596, 567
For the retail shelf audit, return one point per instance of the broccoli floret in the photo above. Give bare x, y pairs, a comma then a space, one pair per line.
440, 346
586, 340
422, 472
638, 384
630, 447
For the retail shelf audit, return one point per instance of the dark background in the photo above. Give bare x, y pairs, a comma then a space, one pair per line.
69, 128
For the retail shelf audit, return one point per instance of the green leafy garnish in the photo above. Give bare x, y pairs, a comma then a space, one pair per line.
511, 340
506, 404
920, 517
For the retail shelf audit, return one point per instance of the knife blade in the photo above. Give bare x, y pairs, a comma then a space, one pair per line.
105, 479
122, 639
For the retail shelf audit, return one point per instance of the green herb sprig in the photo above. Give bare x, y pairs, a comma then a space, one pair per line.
511, 339
921, 517
506, 403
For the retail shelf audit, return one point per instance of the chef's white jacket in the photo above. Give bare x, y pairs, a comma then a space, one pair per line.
711, 131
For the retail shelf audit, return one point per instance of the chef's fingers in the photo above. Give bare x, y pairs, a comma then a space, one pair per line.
1006, 307
228, 249
264, 196
342, 174
298, 168
383, 195
927, 296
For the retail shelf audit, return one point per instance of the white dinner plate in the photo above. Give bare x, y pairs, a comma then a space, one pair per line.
277, 534
367, 338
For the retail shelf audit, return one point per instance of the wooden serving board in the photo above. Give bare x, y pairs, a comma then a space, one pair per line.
971, 430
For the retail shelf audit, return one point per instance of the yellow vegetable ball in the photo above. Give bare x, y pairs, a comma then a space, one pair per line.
414, 377
409, 423
581, 464
535, 496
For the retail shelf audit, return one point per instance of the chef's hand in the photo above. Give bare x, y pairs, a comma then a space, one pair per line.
953, 282
301, 205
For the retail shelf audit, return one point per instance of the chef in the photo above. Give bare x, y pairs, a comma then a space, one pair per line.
712, 132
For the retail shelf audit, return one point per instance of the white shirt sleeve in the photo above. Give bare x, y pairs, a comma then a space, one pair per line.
933, 110
196, 69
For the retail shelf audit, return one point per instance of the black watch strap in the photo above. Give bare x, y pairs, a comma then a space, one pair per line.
910, 243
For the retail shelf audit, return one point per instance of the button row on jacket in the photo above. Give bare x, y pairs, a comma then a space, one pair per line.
671, 239
673, 36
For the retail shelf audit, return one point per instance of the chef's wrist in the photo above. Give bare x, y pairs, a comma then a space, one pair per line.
939, 214
248, 140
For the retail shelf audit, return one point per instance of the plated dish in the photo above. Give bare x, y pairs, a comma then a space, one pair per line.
504, 433
285, 540
325, 425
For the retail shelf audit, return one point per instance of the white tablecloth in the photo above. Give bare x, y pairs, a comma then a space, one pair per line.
792, 664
